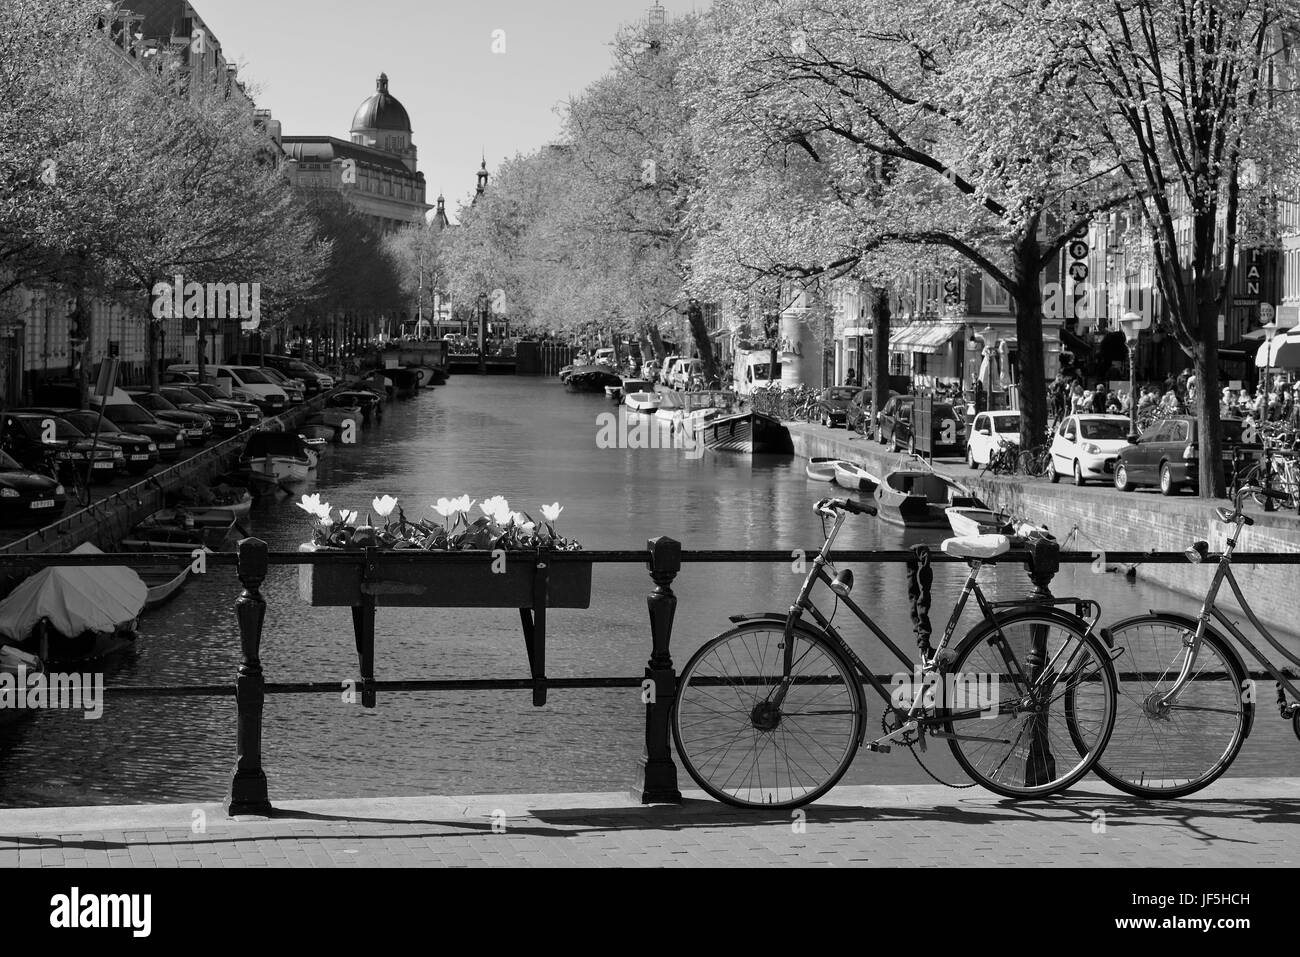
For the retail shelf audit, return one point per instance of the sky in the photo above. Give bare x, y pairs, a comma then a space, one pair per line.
312, 63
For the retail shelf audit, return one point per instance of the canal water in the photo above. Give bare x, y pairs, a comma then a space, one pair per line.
530, 441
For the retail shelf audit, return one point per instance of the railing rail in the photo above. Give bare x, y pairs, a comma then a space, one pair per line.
663, 558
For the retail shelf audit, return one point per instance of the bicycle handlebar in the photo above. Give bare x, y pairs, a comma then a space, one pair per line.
848, 505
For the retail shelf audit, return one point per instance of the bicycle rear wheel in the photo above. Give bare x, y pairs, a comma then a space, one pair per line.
742, 747
1025, 744
1160, 752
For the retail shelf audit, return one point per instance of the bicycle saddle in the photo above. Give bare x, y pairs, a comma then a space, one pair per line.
976, 546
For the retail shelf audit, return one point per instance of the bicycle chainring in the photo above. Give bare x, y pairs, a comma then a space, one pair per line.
889, 721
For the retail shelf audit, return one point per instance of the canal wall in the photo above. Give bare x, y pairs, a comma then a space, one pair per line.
1107, 519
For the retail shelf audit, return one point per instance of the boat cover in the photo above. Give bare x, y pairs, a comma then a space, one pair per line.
74, 600
275, 443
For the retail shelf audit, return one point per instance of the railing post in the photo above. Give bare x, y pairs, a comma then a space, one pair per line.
248, 793
657, 772
1044, 562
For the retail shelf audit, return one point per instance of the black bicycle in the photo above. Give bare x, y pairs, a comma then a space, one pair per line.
67, 472
771, 713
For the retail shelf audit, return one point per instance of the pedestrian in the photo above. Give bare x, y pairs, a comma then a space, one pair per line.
1099, 399
851, 378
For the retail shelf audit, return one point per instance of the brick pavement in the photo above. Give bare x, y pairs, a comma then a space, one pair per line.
1237, 822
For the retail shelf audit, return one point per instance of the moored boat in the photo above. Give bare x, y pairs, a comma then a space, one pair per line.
855, 477
646, 402
281, 455
591, 378
163, 585
16, 666
74, 613
821, 469
746, 432
971, 520
919, 498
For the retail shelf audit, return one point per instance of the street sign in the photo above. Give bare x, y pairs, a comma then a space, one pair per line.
1078, 271
1078, 249
107, 377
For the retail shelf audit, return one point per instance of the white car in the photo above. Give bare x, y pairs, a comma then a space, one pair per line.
684, 371
988, 432
1087, 446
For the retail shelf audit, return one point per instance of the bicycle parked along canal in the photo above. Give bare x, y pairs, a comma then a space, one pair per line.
771, 713
1186, 701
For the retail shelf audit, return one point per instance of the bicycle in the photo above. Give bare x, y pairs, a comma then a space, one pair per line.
1004, 460
1184, 709
1279, 472
771, 713
64, 470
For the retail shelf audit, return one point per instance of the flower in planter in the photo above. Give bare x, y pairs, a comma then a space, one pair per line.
312, 505
497, 509
446, 507
552, 512
384, 505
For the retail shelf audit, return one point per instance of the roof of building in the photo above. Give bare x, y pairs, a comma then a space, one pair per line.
325, 149
381, 111
162, 18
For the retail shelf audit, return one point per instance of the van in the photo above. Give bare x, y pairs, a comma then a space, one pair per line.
754, 370
244, 381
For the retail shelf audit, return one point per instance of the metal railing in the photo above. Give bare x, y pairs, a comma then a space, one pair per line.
663, 558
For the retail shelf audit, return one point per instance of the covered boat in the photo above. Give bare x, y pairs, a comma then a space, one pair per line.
746, 432
919, 498
590, 378
76, 613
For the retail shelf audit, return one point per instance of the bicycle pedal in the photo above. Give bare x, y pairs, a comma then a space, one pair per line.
879, 748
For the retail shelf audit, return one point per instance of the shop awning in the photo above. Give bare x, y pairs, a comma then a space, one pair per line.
927, 337
1286, 350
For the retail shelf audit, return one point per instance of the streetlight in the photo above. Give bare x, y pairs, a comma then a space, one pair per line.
990, 338
1130, 323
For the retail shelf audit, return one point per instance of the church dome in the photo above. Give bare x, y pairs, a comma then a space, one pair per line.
381, 111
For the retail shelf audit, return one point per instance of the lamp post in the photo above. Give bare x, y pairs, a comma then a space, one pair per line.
990, 339
1130, 322
1270, 330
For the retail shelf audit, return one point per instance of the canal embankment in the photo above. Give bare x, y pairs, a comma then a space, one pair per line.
1102, 518
107, 520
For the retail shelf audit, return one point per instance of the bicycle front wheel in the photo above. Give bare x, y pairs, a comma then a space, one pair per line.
743, 742
1047, 703
1163, 750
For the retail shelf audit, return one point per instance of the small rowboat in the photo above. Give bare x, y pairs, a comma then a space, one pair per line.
919, 498
317, 430
821, 469
163, 585
850, 476
968, 520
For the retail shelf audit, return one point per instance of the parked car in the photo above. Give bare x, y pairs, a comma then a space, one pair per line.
248, 411
225, 420
268, 396
684, 372
196, 427
139, 452
127, 415
30, 436
1166, 455
833, 404
314, 379
293, 388
27, 497
1087, 446
988, 432
948, 429
666, 373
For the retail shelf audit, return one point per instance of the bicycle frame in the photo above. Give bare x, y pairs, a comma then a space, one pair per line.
1209, 610
911, 718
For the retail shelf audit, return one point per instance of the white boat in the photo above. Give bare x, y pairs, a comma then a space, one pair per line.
968, 520
279, 455
821, 469
163, 585
646, 402
855, 477
17, 665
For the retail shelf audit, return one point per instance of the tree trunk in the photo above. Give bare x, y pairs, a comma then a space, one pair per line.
1209, 439
703, 345
1028, 299
657, 341
879, 351
81, 325
151, 351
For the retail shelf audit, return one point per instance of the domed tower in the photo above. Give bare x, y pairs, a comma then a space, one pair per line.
381, 122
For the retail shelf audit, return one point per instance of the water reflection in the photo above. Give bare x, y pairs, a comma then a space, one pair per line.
533, 443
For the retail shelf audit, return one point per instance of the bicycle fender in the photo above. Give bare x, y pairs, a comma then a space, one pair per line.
1190, 622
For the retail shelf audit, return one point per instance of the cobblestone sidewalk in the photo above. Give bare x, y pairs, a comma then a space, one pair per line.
1238, 822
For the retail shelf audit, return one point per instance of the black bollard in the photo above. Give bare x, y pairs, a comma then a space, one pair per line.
248, 793
657, 772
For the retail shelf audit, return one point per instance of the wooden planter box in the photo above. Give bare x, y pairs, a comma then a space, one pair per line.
397, 584
530, 582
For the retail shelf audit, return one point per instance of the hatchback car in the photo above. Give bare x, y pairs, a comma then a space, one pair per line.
1166, 455
27, 497
832, 407
948, 429
1087, 446
139, 451
169, 438
988, 432
32, 436
225, 420
196, 427
248, 411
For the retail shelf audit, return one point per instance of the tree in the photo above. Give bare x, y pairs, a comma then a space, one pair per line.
1194, 101
923, 95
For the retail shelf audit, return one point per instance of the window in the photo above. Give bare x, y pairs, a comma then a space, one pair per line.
993, 298
1177, 432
